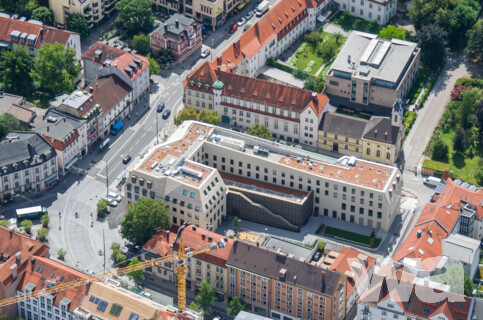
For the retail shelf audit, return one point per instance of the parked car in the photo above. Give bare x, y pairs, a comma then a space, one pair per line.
113, 196
317, 255
205, 52
249, 15
126, 159
233, 29
241, 22
166, 114
112, 202
160, 107
432, 181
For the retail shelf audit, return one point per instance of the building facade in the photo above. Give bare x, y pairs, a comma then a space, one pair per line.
92, 10
180, 34
32, 35
28, 164
370, 10
371, 74
276, 285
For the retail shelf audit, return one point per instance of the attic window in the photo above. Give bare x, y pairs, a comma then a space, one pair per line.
207, 86
192, 82
199, 84
273, 26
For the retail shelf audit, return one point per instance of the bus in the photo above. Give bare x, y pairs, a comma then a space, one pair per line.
31, 213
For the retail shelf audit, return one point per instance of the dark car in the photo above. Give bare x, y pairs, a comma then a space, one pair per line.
160, 107
166, 114
233, 29
317, 256
126, 159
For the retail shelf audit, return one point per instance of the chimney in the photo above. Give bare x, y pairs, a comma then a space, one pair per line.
18, 255
167, 235
91, 89
176, 23
313, 96
282, 273
225, 239
13, 270
194, 228
210, 238
420, 232
322, 285
258, 244
236, 48
219, 60
203, 236
11, 229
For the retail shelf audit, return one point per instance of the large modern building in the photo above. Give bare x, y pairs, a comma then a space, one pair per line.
92, 10
28, 163
180, 34
376, 139
32, 35
277, 285
290, 113
194, 172
371, 74
370, 10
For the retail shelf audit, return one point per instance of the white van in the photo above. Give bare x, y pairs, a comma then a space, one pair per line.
432, 181
113, 196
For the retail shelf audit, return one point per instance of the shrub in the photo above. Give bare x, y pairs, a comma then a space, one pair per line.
292, 61
321, 246
61, 253
309, 66
358, 24
301, 48
457, 91
410, 118
439, 150
27, 225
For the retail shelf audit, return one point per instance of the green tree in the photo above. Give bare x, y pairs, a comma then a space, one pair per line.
309, 84
259, 130
426, 12
432, 41
120, 258
8, 124
102, 206
55, 68
21, 7
392, 32
194, 306
346, 19
141, 222
15, 68
467, 109
153, 66
27, 225
45, 219
136, 276
235, 306
42, 233
4, 223
211, 117
321, 246
135, 15
77, 23
469, 286
439, 150
475, 41
141, 43
206, 296
61, 253
459, 140
164, 56
236, 224
313, 38
465, 16
44, 15
373, 27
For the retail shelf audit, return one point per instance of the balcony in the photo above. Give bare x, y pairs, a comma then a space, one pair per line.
109, 6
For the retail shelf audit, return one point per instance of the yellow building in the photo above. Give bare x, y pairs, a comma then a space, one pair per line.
93, 10
377, 139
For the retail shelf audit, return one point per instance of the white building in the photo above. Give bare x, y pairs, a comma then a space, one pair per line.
370, 10
28, 163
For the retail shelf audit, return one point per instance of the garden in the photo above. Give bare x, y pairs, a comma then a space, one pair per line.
369, 241
457, 142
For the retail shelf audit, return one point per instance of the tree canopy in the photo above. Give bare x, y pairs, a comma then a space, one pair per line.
135, 15
459, 140
141, 43
206, 296
432, 41
8, 124
55, 68
136, 276
260, 130
21, 7
102, 206
153, 66
15, 68
392, 32
439, 150
235, 306
475, 41
164, 56
44, 15
140, 222
211, 117
77, 23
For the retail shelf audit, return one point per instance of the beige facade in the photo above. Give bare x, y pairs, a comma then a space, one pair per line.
93, 10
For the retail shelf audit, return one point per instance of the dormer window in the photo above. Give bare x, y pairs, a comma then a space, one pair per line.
199, 84
192, 82
14, 35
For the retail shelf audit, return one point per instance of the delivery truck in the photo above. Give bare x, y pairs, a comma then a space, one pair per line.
263, 7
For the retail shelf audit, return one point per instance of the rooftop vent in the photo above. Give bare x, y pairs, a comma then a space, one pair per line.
282, 273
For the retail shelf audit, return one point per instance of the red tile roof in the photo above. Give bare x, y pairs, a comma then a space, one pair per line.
436, 223
42, 272
124, 60
205, 74
44, 34
108, 52
455, 196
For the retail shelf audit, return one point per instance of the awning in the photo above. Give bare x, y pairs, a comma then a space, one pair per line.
71, 163
49, 180
92, 134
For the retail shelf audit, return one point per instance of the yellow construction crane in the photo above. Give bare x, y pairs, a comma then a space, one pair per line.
180, 271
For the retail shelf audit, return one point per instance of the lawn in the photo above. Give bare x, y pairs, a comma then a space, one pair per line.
349, 236
349, 22
307, 54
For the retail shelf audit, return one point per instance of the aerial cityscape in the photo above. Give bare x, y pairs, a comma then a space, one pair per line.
241, 159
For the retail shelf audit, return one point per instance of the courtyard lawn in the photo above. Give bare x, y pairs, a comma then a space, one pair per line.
349, 236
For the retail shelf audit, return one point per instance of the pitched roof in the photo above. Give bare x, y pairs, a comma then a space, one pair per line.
344, 125
59, 132
382, 130
205, 74
424, 240
268, 263
176, 27
106, 51
128, 60
43, 273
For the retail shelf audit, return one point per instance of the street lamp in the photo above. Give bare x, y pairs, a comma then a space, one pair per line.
157, 130
212, 48
107, 180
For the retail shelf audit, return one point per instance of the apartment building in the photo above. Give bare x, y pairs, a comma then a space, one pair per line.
290, 113
106, 101
42, 273
102, 60
370, 10
32, 35
180, 34
92, 10
28, 164
174, 172
208, 266
352, 190
376, 139
279, 286
371, 74
26, 112
110, 301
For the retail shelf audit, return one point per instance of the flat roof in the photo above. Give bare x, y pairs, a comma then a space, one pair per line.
77, 99
296, 250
